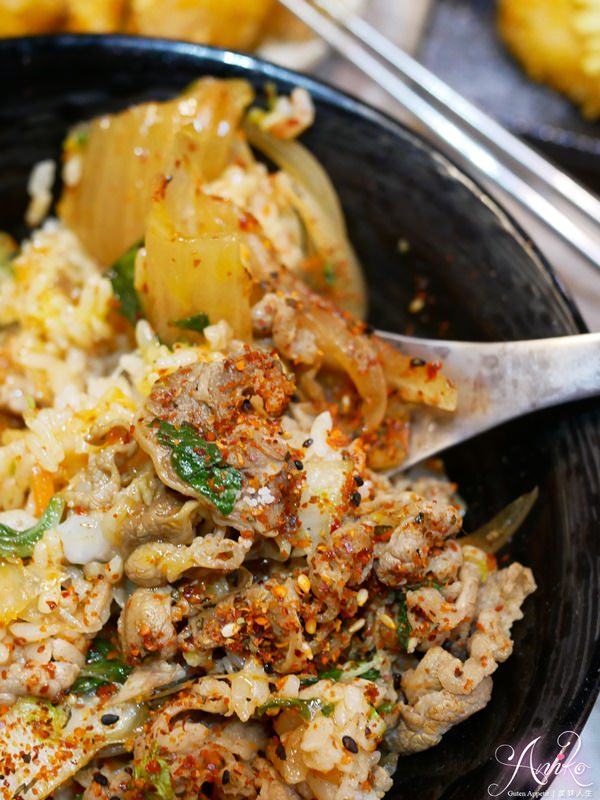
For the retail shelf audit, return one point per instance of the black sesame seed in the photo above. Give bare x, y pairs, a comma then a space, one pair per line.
280, 752
268, 668
114, 797
247, 405
109, 719
349, 744
359, 481
307, 443
355, 498
26, 757
100, 779
417, 362
419, 518
298, 464
226, 777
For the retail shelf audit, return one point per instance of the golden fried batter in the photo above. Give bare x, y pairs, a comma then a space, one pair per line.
558, 43
227, 23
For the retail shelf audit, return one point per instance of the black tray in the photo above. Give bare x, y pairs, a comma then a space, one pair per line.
462, 46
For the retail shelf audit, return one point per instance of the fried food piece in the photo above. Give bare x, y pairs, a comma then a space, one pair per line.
95, 16
224, 23
558, 43
587, 24
282, 24
237, 24
22, 17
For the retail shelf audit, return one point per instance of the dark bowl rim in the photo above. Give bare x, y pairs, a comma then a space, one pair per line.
327, 93
334, 96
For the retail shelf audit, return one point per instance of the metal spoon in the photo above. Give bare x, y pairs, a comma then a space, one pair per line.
498, 381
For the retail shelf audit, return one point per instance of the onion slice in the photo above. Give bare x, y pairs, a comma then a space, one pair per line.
116, 164
60, 741
192, 260
309, 190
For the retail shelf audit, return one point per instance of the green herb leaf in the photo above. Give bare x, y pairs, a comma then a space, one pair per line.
100, 669
196, 323
308, 709
122, 278
154, 771
370, 675
331, 674
337, 673
200, 464
385, 708
81, 136
350, 670
107, 670
329, 273
404, 628
304, 682
21, 543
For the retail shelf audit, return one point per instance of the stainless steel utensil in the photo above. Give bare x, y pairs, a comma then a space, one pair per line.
498, 382
475, 139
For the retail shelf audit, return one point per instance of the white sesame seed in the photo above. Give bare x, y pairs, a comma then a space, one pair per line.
307, 651
229, 630
362, 597
386, 620
265, 495
356, 626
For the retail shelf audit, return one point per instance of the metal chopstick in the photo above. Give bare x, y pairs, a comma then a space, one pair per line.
488, 148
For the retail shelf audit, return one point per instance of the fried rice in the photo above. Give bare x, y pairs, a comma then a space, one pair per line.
209, 586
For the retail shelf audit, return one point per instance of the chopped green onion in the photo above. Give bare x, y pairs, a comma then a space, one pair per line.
351, 669
404, 628
101, 669
308, 709
21, 543
154, 771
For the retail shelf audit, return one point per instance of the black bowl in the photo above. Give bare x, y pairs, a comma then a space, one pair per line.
480, 278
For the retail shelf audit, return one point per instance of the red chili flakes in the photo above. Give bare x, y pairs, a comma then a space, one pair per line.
153, 767
432, 370
106, 691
